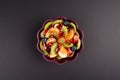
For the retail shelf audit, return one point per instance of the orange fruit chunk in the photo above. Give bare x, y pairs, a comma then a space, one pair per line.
70, 35
54, 31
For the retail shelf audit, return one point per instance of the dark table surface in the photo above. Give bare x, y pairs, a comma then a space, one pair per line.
20, 20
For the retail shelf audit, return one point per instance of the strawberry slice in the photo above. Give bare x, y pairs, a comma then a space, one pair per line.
46, 31
76, 38
69, 52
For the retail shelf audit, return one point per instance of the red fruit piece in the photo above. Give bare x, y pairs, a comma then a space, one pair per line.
76, 38
43, 45
46, 31
69, 52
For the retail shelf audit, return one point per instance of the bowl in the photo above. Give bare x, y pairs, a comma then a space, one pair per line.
60, 40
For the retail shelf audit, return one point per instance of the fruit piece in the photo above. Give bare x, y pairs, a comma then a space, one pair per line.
42, 46
68, 45
57, 21
61, 40
42, 34
53, 31
51, 40
45, 29
59, 58
78, 44
55, 26
53, 50
66, 23
76, 38
47, 25
70, 35
46, 33
65, 30
69, 52
43, 39
73, 48
77, 33
45, 52
72, 54
73, 25
62, 52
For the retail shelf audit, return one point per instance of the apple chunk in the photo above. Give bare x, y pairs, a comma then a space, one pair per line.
63, 52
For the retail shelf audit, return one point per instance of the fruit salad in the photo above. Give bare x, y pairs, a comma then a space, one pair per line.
59, 40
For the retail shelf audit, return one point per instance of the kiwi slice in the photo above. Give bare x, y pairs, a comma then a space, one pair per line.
68, 45
57, 21
45, 52
53, 50
65, 30
78, 44
47, 25
73, 25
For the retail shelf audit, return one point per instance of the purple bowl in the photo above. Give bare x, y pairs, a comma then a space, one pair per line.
66, 59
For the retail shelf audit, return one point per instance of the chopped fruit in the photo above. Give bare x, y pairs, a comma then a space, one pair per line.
55, 26
52, 31
42, 46
62, 55
43, 39
47, 25
73, 48
72, 54
51, 40
61, 40
73, 25
76, 38
70, 35
66, 23
46, 33
45, 52
68, 45
45, 29
53, 50
76, 33
42, 34
65, 30
59, 58
63, 52
69, 52
57, 21
61, 34
78, 44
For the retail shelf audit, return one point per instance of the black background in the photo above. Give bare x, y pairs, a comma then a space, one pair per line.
20, 20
